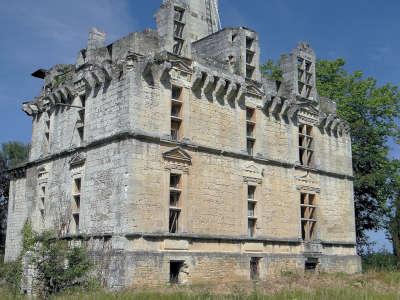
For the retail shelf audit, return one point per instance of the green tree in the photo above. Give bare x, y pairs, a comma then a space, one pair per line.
372, 112
393, 227
11, 155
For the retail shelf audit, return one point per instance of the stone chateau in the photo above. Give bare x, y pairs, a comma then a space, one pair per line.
169, 156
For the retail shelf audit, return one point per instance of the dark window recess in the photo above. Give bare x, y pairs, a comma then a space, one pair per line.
175, 127
175, 268
249, 43
176, 92
249, 71
251, 190
250, 147
76, 220
178, 14
251, 227
178, 45
173, 220
255, 268
178, 29
311, 265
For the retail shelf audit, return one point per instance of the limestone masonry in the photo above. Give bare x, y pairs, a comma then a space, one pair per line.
169, 156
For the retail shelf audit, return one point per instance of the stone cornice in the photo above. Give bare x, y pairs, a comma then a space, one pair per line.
144, 136
202, 237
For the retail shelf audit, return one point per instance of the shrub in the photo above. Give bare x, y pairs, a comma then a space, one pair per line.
380, 261
61, 267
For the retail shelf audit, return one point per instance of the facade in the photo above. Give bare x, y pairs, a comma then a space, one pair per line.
170, 157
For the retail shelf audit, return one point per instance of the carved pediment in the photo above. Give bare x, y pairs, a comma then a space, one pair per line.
308, 112
77, 160
308, 183
179, 155
181, 66
253, 173
255, 91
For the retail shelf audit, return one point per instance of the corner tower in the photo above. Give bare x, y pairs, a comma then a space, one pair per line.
182, 22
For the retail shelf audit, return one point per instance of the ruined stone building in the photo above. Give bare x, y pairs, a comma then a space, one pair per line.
171, 158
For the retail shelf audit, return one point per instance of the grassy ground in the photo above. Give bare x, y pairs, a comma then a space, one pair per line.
371, 285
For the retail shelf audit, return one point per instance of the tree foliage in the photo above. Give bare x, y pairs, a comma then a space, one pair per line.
60, 266
11, 155
372, 112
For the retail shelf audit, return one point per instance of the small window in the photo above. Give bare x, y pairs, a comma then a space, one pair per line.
175, 193
175, 130
308, 66
311, 264
308, 216
255, 268
306, 145
300, 62
175, 180
178, 14
251, 190
178, 30
175, 268
249, 43
178, 46
234, 36
251, 227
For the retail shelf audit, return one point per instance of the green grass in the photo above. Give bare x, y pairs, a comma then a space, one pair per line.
370, 285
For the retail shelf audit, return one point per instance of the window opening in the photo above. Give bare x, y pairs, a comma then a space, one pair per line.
308, 216
175, 268
255, 268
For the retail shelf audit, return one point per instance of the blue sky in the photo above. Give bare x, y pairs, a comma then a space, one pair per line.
41, 33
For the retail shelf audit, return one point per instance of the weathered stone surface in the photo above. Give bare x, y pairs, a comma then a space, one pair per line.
105, 122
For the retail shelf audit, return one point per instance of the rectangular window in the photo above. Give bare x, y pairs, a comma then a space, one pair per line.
250, 130
47, 127
249, 43
306, 145
178, 29
175, 193
175, 268
304, 81
255, 268
178, 46
176, 112
42, 203
311, 264
178, 14
251, 208
250, 71
308, 216
80, 123
76, 205
308, 66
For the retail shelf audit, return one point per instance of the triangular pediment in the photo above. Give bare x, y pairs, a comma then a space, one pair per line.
181, 66
178, 154
255, 91
77, 159
251, 172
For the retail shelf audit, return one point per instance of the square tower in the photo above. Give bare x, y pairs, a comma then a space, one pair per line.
181, 22
299, 72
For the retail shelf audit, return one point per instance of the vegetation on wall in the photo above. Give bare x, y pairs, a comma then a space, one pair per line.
373, 112
59, 266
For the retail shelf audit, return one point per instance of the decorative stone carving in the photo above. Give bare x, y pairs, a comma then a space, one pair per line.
308, 183
252, 173
177, 159
77, 159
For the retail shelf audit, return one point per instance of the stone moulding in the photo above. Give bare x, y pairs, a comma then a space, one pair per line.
199, 237
143, 136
